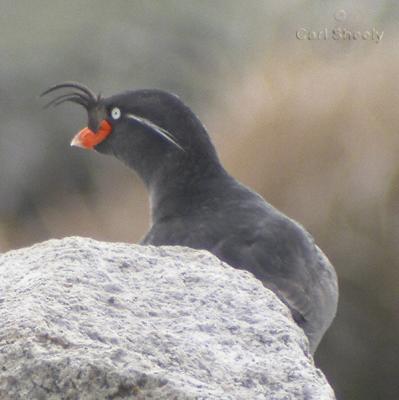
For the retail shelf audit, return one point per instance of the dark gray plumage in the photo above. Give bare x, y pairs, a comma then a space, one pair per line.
196, 203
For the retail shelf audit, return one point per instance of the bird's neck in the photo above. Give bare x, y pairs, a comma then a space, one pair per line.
182, 189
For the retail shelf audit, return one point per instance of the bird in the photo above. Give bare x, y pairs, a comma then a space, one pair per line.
196, 203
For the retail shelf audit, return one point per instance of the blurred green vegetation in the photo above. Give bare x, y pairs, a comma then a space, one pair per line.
310, 124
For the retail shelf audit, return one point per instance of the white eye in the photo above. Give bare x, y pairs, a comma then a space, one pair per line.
116, 113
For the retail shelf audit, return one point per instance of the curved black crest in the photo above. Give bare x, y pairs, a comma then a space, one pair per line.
81, 95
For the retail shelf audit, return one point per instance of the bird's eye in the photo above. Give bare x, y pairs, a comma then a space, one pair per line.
116, 113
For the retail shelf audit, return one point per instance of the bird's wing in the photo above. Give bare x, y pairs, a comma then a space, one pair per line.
282, 257
278, 251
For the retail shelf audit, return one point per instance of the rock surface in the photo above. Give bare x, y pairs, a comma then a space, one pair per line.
82, 319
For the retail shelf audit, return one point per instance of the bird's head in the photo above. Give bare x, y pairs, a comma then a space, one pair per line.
147, 129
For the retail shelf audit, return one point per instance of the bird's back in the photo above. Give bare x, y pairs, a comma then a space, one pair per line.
240, 228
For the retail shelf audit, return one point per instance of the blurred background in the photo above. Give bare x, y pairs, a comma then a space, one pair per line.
309, 121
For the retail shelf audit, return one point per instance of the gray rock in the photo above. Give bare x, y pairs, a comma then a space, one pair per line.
81, 319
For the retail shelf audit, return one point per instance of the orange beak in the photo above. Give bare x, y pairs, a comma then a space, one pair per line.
87, 139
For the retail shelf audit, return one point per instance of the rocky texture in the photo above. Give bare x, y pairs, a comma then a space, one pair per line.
82, 319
